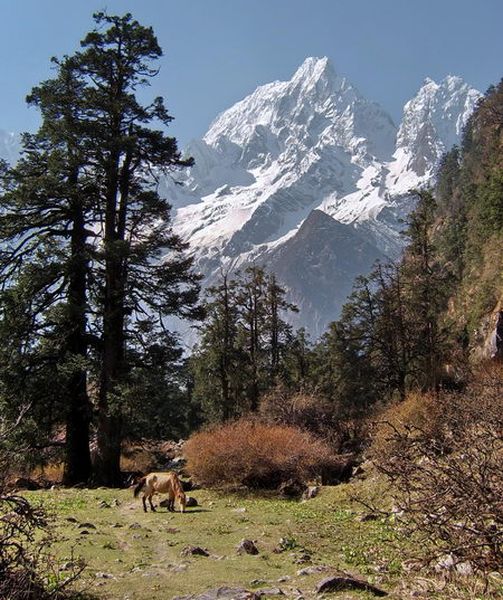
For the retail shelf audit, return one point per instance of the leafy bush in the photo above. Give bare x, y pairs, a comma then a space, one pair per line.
256, 455
443, 454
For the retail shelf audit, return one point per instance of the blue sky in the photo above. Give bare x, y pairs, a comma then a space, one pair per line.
217, 51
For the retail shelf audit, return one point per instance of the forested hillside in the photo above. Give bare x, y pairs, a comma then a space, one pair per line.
415, 324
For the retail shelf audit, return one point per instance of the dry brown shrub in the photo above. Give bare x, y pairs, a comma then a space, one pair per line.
444, 456
417, 416
256, 455
312, 413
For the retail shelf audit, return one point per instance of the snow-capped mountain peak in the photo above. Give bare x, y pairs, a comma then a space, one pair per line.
307, 174
434, 120
314, 103
9, 146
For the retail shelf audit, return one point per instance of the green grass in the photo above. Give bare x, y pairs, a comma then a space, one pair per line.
145, 562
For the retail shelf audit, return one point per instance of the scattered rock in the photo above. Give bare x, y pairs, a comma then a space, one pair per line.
368, 517
189, 485
339, 583
191, 502
310, 492
104, 504
312, 570
284, 578
411, 565
24, 483
358, 471
291, 489
87, 526
101, 575
117, 525
284, 545
116, 502
241, 509
71, 519
194, 551
464, 568
135, 526
247, 547
270, 592
177, 463
340, 470
302, 558
257, 582
449, 563
222, 593
84, 532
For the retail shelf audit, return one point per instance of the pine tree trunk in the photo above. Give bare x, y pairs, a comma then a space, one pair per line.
109, 424
77, 453
109, 421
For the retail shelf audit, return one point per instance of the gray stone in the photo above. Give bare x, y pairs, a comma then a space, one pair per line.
194, 551
247, 547
312, 570
464, 568
222, 593
310, 492
368, 517
343, 582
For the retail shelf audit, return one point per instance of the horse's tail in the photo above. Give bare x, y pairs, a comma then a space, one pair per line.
139, 486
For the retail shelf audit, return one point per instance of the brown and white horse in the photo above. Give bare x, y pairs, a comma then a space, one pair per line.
161, 483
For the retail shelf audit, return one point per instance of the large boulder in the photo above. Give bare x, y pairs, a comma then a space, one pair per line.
222, 593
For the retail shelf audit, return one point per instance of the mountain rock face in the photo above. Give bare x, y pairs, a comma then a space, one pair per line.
312, 180
9, 146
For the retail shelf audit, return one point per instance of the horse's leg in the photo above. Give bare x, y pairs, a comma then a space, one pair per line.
152, 507
144, 503
171, 504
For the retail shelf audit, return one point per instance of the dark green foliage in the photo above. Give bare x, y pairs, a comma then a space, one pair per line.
389, 338
88, 254
245, 344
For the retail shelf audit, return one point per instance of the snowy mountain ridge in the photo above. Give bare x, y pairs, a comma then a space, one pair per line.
311, 179
312, 143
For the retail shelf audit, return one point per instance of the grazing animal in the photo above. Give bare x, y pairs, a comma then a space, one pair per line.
161, 483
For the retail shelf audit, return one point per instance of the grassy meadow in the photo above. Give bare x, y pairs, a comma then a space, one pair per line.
132, 555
